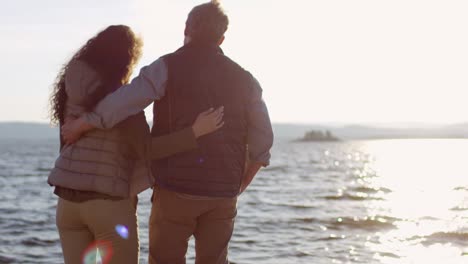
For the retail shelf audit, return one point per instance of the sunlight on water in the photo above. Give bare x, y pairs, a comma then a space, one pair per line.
427, 194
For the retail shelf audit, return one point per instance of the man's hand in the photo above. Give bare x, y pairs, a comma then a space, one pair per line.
251, 170
73, 129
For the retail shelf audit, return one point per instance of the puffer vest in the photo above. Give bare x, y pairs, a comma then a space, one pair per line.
200, 77
100, 161
94, 163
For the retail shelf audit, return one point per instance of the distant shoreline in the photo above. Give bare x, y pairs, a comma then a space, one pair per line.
32, 130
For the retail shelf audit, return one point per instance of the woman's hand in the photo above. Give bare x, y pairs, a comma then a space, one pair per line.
208, 122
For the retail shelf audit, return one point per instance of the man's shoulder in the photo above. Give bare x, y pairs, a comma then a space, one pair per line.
171, 54
246, 77
163, 58
239, 68
156, 68
166, 56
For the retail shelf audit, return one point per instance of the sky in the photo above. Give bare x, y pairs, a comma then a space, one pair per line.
333, 61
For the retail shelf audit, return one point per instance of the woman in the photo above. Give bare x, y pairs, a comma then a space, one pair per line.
98, 178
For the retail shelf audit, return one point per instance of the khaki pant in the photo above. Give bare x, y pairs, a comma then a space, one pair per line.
175, 218
82, 224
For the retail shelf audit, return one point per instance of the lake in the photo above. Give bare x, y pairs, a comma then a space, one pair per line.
382, 201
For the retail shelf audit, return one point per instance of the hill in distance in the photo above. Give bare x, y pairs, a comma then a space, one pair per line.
24, 130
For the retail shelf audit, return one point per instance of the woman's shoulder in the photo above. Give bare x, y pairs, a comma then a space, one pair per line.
80, 80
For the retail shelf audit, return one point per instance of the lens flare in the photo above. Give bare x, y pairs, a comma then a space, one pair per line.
98, 252
122, 231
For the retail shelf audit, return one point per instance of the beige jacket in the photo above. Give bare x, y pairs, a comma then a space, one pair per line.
102, 160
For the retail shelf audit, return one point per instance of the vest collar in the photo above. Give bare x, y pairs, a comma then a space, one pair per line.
201, 46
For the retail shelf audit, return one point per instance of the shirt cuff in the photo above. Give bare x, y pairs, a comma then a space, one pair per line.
263, 159
94, 120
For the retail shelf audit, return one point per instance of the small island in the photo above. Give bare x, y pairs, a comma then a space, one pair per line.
316, 135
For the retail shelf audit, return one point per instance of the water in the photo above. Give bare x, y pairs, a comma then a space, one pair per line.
388, 201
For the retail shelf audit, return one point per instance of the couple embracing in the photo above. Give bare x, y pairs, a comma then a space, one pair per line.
210, 136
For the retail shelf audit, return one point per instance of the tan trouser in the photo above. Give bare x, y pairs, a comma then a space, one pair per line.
82, 224
175, 218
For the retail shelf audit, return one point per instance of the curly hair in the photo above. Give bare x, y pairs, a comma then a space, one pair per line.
112, 53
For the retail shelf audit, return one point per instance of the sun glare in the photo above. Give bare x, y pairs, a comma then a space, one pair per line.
427, 197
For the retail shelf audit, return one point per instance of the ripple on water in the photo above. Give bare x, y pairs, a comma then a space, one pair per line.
459, 208
374, 223
347, 196
307, 220
281, 168
5, 259
459, 238
370, 190
35, 241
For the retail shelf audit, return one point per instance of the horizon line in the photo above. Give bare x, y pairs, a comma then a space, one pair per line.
328, 123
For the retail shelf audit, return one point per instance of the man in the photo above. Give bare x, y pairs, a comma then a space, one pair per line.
196, 192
